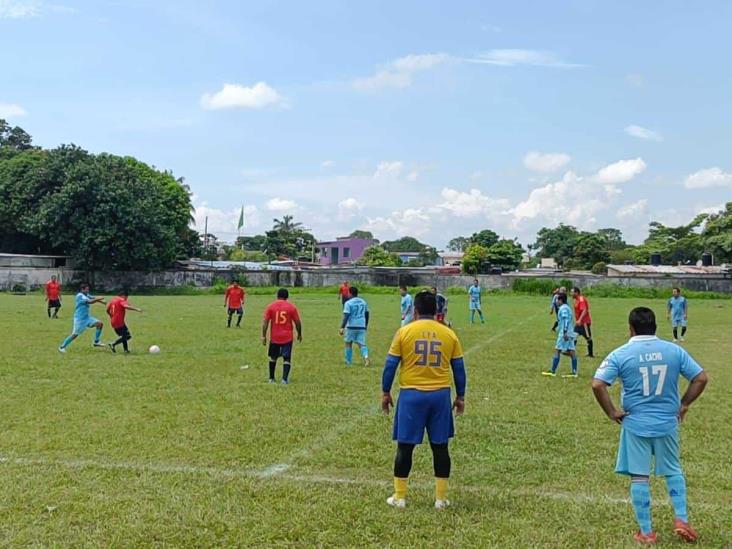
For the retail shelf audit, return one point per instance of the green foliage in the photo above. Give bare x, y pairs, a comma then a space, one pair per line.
616, 290
613, 239
13, 139
458, 244
376, 256
599, 268
620, 257
363, 234
485, 238
538, 286
682, 244
557, 243
590, 249
475, 257
505, 254
717, 235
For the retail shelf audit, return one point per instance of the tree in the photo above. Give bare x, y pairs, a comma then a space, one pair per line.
485, 238
15, 138
362, 234
289, 239
458, 244
589, 249
376, 256
286, 225
252, 243
404, 244
717, 235
557, 243
613, 238
475, 258
506, 254
680, 244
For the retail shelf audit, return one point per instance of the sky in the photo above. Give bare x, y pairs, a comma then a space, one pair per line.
433, 119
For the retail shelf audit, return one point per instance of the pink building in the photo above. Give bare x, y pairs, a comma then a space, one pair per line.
344, 249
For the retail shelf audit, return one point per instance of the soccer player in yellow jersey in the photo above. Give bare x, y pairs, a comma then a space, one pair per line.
428, 352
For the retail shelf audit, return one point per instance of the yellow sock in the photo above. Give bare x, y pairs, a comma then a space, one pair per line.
441, 488
400, 487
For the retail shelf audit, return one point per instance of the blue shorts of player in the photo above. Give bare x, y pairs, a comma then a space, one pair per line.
80, 325
407, 320
277, 350
238, 311
419, 410
355, 335
635, 454
676, 322
566, 345
474, 305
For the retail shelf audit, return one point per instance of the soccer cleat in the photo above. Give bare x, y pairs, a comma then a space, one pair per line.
442, 503
61, 350
112, 348
684, 531
98, 344
645, 539
549, 374
366, 361
681, 339
285, 382
570, 375
676, 340
271, 380
394, 502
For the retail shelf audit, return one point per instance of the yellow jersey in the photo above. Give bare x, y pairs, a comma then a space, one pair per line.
425, 348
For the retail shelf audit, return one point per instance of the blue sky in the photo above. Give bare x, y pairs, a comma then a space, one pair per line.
434, 119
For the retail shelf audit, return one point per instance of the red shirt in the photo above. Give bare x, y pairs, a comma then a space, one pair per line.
282, 314
235, 296
581, 304
116, 311
344, 291
53, 289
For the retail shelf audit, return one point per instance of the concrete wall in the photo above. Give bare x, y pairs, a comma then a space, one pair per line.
32, 278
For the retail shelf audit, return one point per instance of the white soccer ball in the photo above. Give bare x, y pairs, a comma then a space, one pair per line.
154, 349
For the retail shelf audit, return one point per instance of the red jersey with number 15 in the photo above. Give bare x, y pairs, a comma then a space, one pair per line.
281, 314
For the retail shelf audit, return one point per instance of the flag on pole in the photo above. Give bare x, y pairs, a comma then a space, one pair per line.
241, 219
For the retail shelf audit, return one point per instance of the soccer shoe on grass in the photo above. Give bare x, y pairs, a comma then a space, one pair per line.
112, 348
645, 539
61, 350
394, 502
285, 382
271, 380
684, 531
549, 374
366, 361
570, 376
98, 344
681, 339
442, 503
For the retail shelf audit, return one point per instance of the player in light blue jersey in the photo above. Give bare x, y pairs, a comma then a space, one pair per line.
83, 320
566, 337
649, 370
677, 310
474, 302
407, 306
354, 325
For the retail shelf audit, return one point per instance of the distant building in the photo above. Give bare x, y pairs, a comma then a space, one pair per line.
448, 259
344, 249
666, 270
548, 263
37, 261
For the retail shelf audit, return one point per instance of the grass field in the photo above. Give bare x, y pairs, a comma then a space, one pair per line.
186, 448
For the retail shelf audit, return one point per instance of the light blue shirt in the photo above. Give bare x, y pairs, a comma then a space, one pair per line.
474, 293
356, 309
649, 370
565, 320
81, 310
677, 306
407, 306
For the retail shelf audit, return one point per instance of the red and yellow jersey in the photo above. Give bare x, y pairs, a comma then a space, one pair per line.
116, 309
425, 348
53, 290
581, 304
235, 296
281, 314
344, 290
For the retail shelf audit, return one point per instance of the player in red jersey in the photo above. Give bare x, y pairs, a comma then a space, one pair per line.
116, 309
280, 315
234, 302
53, 296
344, 293
582, 318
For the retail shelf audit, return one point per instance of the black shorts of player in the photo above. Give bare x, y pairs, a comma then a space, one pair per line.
585, 330
238, 311
344, 299
283, 350
123, 331
54, 303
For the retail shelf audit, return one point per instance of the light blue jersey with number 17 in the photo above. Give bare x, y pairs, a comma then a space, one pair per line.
649, 370
356, 309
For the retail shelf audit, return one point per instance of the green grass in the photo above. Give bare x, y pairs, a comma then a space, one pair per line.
185, 448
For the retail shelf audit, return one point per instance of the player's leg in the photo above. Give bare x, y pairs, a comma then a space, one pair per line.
668, 464
683, 329
409, 424
48, 308
273, 354
472, 315
286, 362
239, 315
126, 335
480, 313
590, 344
676, 332
634, 459
78, 329
230, 313
98, 332
56, 309
360, 340
66, 342
440, 428
348, 352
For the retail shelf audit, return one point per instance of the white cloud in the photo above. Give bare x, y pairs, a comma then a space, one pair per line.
412, 221
413, 176
620, 171
643, 133
472, 203
348, 208
223, 223
19, 9
712, 209
233, 96
280, 205
398, 73
389, 169
516, 57
11, 110
327, 163
634, 210
709, 177
545, 162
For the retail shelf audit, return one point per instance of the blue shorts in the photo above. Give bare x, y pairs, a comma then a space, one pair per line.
419, 410
407, 321
676, 322
635, 454
355, 336
80, 325
568, 345
474, 305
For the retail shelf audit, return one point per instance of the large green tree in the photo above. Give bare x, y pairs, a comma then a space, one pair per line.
376, 256
458, 244
505, 254
485, 238
717, 235
588, 250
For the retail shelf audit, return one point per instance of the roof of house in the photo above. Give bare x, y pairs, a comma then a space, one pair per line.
669, 269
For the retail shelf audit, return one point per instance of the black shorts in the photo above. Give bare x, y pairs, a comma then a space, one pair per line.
344, 299
123, 331
238, 311
277, 350
54, 303
585, 330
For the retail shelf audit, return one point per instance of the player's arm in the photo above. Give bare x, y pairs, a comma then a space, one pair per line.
387, 379
298, 327
696, 387
344, 322
582, 315
367, 315
265, 328
461, 379
599, 388
226, 298
96, 300
131, 308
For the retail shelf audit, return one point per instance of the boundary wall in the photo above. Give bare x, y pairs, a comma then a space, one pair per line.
32, 278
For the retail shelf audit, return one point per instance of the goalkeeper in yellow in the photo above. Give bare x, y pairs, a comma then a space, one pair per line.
428, 351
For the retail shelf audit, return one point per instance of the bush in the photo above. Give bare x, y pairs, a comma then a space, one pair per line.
18, 289
599, 268
538, 286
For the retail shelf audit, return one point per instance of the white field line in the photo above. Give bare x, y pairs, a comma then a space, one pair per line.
219, 473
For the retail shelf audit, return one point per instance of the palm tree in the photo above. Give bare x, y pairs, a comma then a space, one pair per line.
187, 188
286, 225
